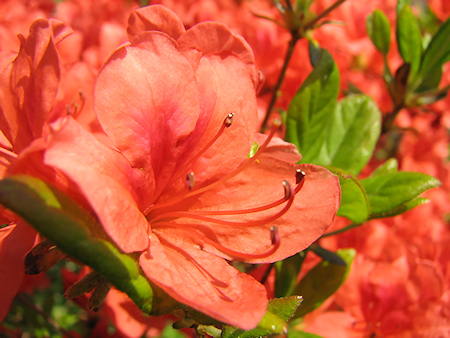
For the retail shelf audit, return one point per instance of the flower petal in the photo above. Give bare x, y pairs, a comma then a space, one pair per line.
203, 281
312, 211
155, 18
107, 181
148, 103
33, 84
15, 242
213, 37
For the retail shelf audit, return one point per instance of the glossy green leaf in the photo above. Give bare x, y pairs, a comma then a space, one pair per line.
402, 208
311, 109
388, 192
388, 167
58, 218
379, 31
354, 202
322, 281
352, 135
409, 38
436, 54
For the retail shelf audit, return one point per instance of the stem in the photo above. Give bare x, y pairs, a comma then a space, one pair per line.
348, 227
310, 24
287, 58
390, 117
295, 36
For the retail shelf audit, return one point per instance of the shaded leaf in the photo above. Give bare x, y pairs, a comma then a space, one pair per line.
322, 281
436, 54
327, 255
287, 271
409, 38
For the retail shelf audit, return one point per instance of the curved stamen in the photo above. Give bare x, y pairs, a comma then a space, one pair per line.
227, 122
8, 154
275, 238
289, 196
276, 124
250, 210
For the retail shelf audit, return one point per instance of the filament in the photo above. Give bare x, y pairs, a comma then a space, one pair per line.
275, 239
238, 170
289, 196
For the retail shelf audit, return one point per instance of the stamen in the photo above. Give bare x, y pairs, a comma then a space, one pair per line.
228, 120
226, 124
8, 154
190, 180
276, 124
261, 80
274, 236
76, 108
299, 176
289, 196
251, 210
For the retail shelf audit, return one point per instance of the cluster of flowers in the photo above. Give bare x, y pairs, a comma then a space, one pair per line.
145, 117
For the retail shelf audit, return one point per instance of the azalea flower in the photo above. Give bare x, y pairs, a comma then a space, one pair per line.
28, 85
179, 187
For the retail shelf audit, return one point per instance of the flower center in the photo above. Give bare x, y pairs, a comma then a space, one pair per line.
170, 214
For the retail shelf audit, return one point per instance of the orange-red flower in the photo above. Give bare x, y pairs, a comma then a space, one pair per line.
179, 188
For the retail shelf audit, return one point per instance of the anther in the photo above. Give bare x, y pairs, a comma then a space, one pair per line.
276, 123
287, 190
228, 120
299, 176
190, 180
274, 235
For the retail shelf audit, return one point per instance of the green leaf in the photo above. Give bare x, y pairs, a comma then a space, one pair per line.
327, 255
388, 192
436, 54
58, 218
322, 281
354, 202
401, 4
284, 307
379, 31
301, 334
402, 208
278, 312
430, 81
311, 109
352, 134
314, 52
286, 274
388, 167
409, 38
